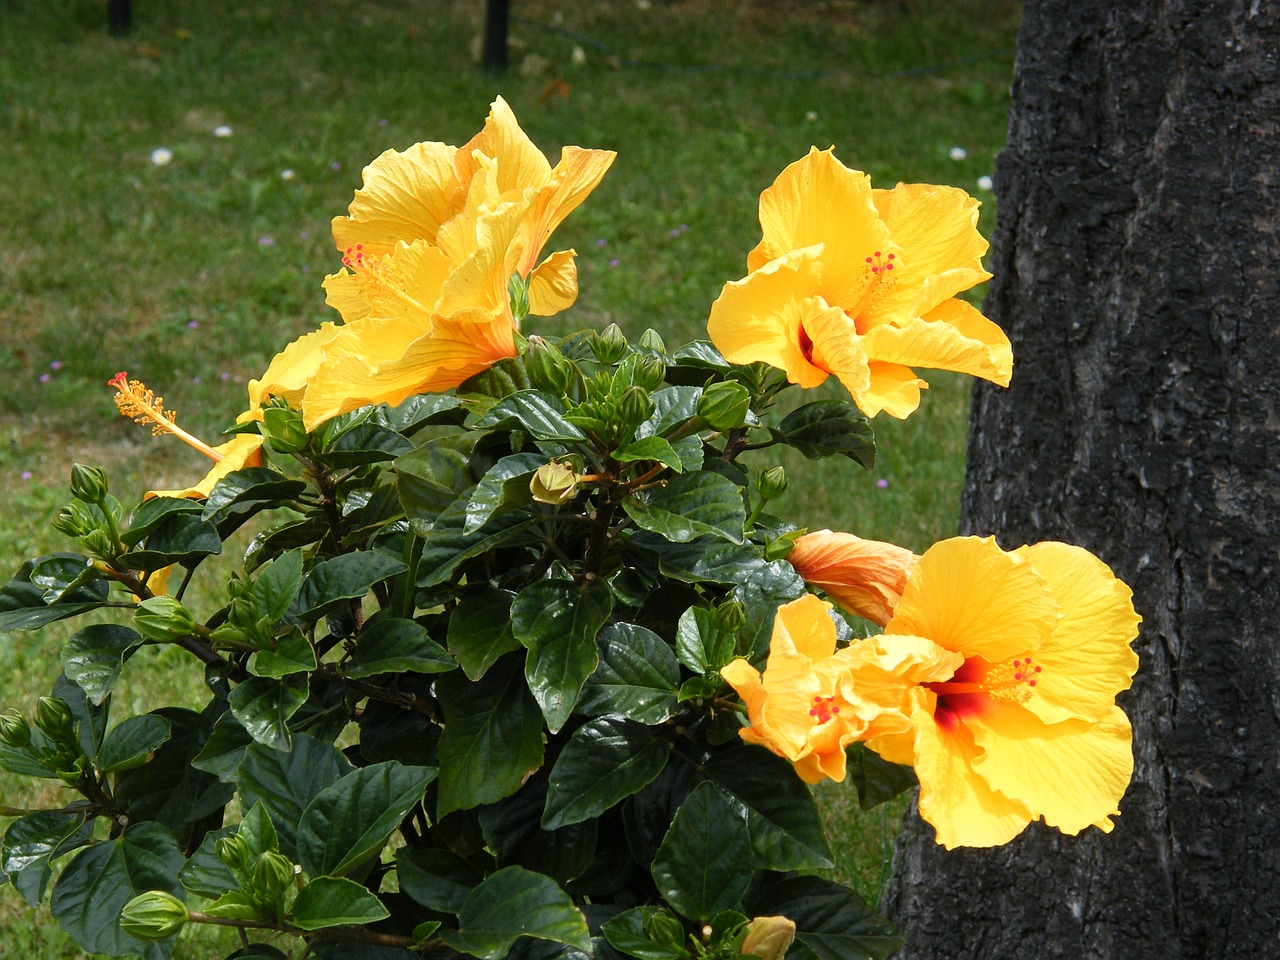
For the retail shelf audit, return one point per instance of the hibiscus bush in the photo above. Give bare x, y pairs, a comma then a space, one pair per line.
518, 661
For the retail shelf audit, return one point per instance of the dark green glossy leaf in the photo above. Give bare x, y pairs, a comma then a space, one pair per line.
242, 493
335, 902
704, 862
557, 621
784, 822
875, 778
397, 646
832, 922
446, 548
480, 629
150, 514
825, 428
264, 706
439, 879
293, 653
514, 903
689, 506
364, 443
276, 585
637, 677
418, 411
24, 763
91, 718
285, 783
282, 538
33, 842
23, 605
204, 872
334, 582
647, 933
224, 749
98, 881
605, 760
130, 743
500, 380
181, 537
504, 486
762, 592
492, 737
705, 558
701, 354
94, 656
539, 414
437, 473
672, 407
651, 448
701, 644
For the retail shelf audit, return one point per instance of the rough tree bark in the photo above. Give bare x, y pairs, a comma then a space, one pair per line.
1137, 264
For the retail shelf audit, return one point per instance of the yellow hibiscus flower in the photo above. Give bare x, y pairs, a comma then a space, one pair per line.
813, 700
1026, 727
861, 283
865, 577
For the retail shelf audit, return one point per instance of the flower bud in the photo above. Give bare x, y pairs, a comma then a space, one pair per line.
272, 875
53, 717
650, 340
88, 483
635, 406
284, 428
779, 549
163, 619
234, 852
14, 729
731, 616
609, 345
153, 916
773, 483
72, 520
548, 368
768, 938
553, 483
98, 543
650, 373
724, 405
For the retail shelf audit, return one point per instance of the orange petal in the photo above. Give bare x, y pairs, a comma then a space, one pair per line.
866, 577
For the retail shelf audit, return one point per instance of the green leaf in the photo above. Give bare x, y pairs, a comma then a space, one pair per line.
637, 677
689, 506
94, 656
762, 592
832, 922
182, 537
335, 902
99, 880
514, 903
825, 428
397, 646
334, 582
672, 407
284, 783
492, 737
504, 486
150, 514
606, 760
876, 779
293, 654
558, 621
704, 863
702, 355
130, 743
647, 933
500, 380
419, 410
651, 448
23, 605
480, 629
438, 879
445, 547
264, 706
364, 443
33, 842
276, 585
539, 414
349, 821
783, 819
701, 644
204, 872
433, 476
224, 749
284, 537
705, 558
242, 493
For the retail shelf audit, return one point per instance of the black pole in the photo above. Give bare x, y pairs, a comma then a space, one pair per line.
495, 36
119, 17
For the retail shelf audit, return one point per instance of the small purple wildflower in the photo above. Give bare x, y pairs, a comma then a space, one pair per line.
193, 324
224, 376
44, 378
266, 241
602, 242
27, 474
335, 166
55, 364
882, 483
382, 122
614, 262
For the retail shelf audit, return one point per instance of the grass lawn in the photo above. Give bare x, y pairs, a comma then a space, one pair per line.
191, 274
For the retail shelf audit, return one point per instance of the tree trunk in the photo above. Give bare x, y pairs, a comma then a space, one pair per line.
1137, 272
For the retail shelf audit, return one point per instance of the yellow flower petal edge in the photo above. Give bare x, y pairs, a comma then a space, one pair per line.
244, 450
1026, 727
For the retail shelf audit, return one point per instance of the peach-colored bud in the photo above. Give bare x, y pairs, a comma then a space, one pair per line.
769, 937
865, 577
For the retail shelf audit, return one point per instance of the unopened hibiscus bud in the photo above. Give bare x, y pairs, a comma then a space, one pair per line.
635, 407
153, 916
72, 520
547, 366
53, 717
272, 875
866, 577
88, 483
164, 619
724, 405
650, 340
283, 426
768, 938
234, 852
609, 345
98, 543
14, 729
773, 483
731, 616
650, 373
553, 483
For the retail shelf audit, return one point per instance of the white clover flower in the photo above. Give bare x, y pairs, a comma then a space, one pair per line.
959, 153
985, 182
222, 131
161, 155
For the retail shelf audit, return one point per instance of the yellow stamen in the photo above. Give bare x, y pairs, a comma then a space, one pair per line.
135, 400
378, 278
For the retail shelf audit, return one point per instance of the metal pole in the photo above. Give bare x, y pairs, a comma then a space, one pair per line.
495, 36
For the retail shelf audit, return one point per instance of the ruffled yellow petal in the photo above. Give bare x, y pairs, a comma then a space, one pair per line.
961, 806
520, 163
290, 370
865, 577
243, 450
972, 597
406, 196
936, 227
553, 285
1089, 659
803, 627
574, 177
892, 389
940, 345
1073, 773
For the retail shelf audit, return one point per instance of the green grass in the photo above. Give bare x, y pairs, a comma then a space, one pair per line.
193, 274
